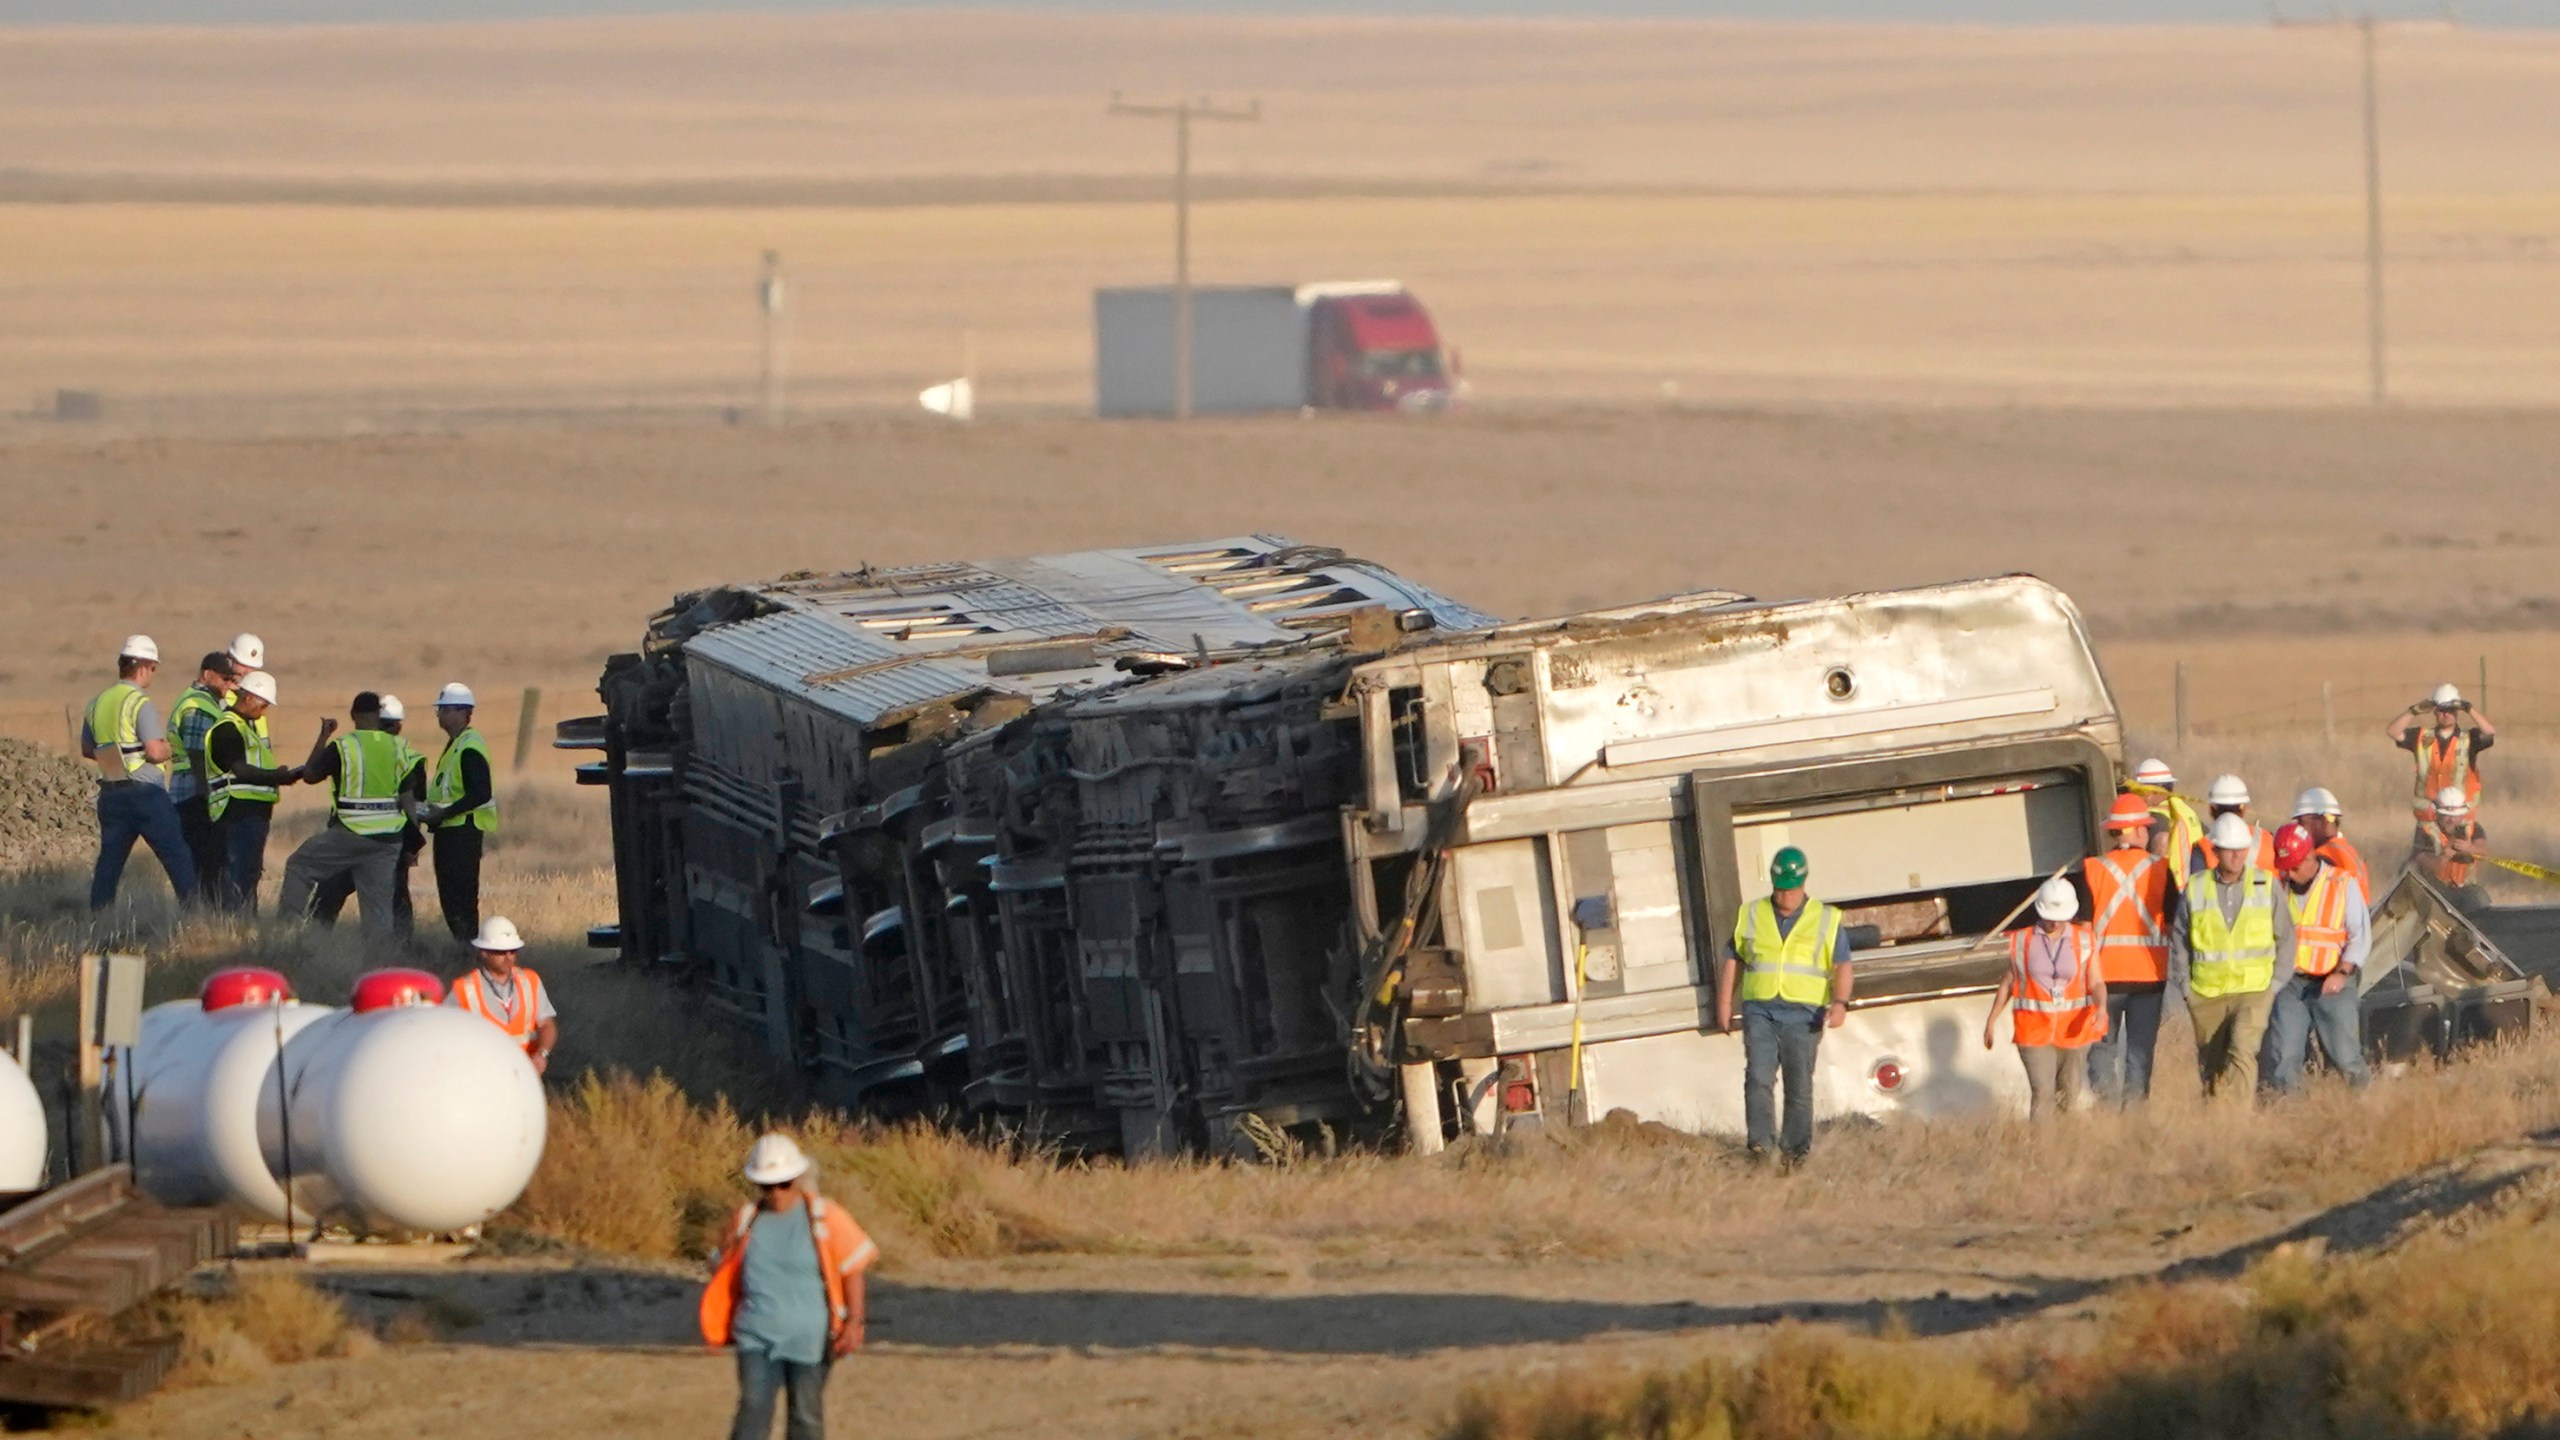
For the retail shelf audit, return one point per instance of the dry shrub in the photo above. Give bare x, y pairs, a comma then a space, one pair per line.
957, 1196
632, 1167
2454, 1333
262, 1317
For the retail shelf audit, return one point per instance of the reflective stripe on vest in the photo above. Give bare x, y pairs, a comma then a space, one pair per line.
370, 768
115, 730
522, 1020
2444, 767
2070, 1018
2448, 867
2319, 922
196, 699
445, 786
2350, 864
220, 789
1795, 967
2226, 958
2133, 943
2185, 829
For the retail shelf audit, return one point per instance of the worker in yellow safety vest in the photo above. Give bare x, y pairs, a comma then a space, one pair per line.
372, 772
2178, 830
124, 737
2332, 935
508, 995
462, 810
1789, 959
242, 782
2230, 945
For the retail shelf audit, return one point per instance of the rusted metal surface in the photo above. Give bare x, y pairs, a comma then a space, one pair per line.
72, 1259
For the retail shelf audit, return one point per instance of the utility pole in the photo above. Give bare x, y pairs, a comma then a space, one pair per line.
769, 306
1182, 113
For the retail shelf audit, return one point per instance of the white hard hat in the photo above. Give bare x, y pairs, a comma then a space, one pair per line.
249, 650
2154, 771
776, 1160
2452, 801
260, 684
2227, 790
139, 647
2445, 695
392, 709
2056, 900
456, 693
2230, 832
2316, 801
498, 933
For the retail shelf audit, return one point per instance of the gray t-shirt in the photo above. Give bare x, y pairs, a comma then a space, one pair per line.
147, 727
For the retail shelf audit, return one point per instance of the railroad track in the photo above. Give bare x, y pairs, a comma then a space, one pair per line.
71, 1260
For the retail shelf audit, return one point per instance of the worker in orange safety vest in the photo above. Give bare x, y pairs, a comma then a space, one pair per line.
2332, 936
2451, 844
508, 995
2319, 812
786, 1291
2445, 737
2176, 828
2060, 996
2229, 795
2129, 899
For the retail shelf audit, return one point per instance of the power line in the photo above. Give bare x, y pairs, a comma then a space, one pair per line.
1182, 113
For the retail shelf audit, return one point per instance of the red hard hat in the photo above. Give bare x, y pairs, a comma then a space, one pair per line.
2130, 811
247, 985
2293, 845
389, 989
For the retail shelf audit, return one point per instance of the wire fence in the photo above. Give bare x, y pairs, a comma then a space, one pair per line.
2335, 712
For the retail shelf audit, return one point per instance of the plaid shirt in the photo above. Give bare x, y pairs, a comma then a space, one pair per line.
193, 724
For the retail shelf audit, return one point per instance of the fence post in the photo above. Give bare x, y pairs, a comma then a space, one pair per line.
70, 732
2182, 704
2329, 714
525, 721
2483, 700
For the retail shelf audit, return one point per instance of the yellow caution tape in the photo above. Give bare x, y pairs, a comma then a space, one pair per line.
2538, 872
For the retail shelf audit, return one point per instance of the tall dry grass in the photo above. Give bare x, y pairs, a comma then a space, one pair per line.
2454, 1333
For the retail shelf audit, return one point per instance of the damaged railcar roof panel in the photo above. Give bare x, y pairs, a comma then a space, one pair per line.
874, 644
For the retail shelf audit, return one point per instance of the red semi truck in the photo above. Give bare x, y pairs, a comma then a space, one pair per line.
1359, 345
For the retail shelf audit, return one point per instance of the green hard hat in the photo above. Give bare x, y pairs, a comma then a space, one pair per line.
1788, 869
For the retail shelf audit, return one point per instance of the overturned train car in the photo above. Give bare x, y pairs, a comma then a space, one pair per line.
1176, 846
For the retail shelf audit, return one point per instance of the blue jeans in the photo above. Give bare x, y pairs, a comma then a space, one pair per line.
243, 828
1777, 1036
761, 1378
131, 810
2300, 1009
2120, 1063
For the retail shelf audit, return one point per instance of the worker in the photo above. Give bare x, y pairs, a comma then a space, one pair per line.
330, 900
189, 719
372, 771
462, 810
2445, 738
2060, 995
2319, 812
2332, 936
2230, 945
2178, 830
2451, 845
2129, 899
2229, 795
123, 735
1791, 958
508, 995
242, 782
786, 1290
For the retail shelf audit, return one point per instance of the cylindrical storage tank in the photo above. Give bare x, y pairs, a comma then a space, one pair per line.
409, 1116
194, 1083
22, 1131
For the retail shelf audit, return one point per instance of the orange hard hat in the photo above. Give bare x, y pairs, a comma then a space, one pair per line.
2130, 813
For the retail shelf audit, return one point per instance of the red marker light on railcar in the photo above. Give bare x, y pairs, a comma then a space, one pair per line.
1888, 1076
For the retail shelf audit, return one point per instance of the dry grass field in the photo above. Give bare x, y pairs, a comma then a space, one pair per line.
414, 343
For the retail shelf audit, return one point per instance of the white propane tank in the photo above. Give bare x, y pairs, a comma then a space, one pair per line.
22, 1131
405, 1114
195, 1080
